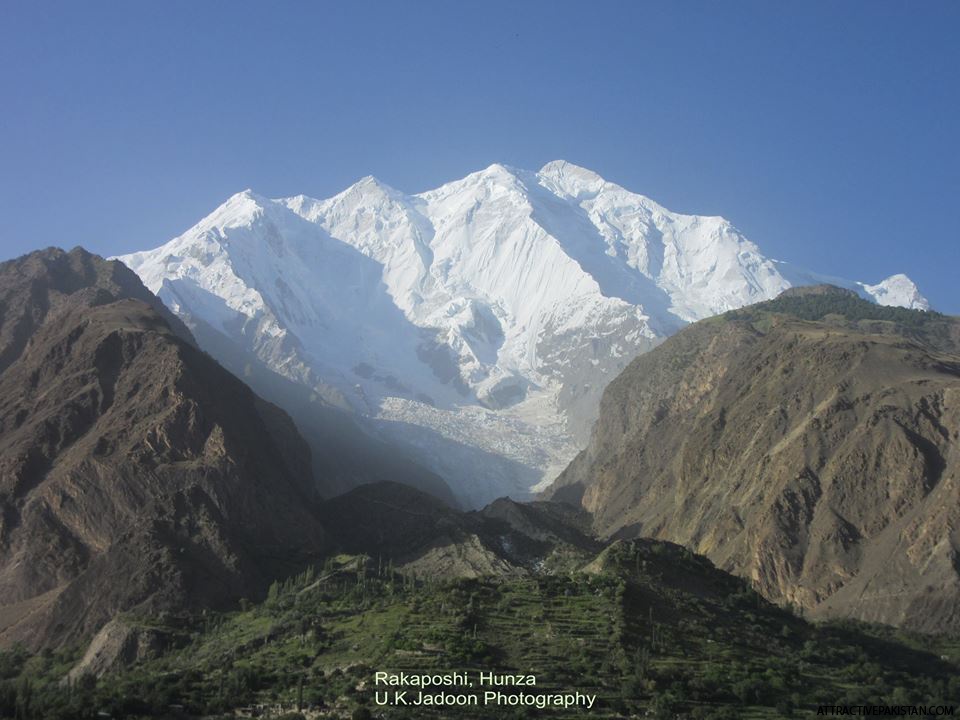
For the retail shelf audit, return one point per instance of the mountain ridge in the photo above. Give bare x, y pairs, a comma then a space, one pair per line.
808, 443
135, 472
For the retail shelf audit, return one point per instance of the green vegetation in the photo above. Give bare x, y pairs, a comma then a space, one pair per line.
848, 309
849, 306
649, 627
838, 309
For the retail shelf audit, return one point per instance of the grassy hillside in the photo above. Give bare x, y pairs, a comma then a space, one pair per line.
647, 626
838, 307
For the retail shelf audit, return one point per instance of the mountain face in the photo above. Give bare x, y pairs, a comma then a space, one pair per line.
135, 472
476, 324
809, 443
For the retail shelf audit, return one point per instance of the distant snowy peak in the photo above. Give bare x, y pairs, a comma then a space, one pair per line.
502, 269
494, 265
897, 290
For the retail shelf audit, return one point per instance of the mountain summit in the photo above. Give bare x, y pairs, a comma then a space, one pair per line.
475, 324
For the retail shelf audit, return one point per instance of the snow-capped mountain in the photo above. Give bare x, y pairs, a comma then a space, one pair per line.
475, 324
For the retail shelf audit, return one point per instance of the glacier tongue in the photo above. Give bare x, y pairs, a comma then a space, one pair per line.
476, 324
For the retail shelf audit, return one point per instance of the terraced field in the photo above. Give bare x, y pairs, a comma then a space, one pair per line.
647, 627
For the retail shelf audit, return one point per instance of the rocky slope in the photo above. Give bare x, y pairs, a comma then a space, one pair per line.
135, 472
417, 534
476, 324
809, 443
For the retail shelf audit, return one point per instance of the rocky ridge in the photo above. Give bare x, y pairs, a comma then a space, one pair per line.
135, 472
809, 443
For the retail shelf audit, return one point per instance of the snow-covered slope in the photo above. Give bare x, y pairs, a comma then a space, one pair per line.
474, 324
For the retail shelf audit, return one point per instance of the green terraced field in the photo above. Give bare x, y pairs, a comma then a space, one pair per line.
647, 628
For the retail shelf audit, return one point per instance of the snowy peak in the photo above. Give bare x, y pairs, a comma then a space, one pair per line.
243, 208
897, 290
497, 183
476, 323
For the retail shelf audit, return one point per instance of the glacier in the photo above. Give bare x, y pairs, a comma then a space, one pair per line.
473, 326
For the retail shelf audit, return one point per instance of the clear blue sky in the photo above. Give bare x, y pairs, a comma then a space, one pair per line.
826, 131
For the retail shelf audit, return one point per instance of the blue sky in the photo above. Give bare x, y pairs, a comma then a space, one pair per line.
827, 132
